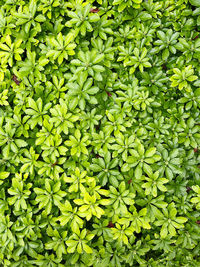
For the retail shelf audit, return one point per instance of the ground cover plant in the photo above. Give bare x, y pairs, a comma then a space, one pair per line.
99, 133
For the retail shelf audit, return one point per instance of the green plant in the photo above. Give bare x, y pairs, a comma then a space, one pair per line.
181, 78
99, 133
124, 4
169, 221
61, 47
154, 182
10, 50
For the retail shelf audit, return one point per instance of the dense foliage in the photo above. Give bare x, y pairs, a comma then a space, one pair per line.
99, 133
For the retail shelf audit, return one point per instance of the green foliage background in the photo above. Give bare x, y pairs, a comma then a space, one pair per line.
99, 133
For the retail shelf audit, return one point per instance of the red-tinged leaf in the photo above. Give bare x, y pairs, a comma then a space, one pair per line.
94, 10
15, 79
109, 94
111, 225
188, 189
196, 37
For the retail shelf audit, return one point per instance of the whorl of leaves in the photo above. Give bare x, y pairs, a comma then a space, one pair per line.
99, 133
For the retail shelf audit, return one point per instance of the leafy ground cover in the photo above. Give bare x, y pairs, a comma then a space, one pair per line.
99, 133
